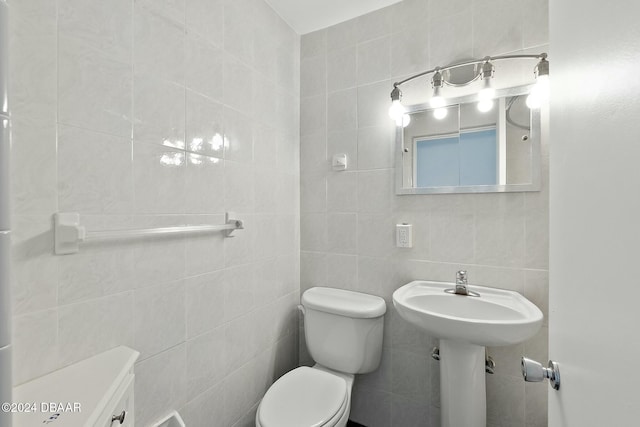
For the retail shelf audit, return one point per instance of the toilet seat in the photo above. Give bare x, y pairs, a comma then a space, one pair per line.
304, 397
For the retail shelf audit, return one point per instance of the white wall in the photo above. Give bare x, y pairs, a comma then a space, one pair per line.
104, 94
348, 218
595, 209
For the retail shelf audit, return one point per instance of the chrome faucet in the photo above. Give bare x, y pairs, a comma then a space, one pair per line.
461, 286
461, 283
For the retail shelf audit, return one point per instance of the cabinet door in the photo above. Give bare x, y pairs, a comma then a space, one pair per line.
121, 404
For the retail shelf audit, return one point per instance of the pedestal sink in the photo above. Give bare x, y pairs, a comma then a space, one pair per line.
465, 325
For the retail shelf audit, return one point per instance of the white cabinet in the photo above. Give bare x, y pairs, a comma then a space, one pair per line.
87, 394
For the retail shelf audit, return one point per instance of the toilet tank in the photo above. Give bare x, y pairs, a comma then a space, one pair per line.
343, 329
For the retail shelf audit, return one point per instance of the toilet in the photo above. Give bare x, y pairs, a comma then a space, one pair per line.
343, 330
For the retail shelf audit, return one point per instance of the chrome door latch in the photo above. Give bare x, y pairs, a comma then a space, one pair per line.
533, 371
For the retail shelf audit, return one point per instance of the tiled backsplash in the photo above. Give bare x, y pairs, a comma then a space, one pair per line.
348, 218
156, 113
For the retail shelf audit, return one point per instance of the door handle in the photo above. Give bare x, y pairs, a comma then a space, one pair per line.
533, 371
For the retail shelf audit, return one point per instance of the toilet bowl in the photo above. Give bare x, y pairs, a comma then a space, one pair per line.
313, 397
343, 330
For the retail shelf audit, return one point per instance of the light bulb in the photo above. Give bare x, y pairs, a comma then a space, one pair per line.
543, 83
539, 94
396, 110
487, 94
485, 105
533, 101
485, 97
437, 101
403, 121
440, 113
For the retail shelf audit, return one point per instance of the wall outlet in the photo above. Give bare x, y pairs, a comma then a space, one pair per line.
404, 235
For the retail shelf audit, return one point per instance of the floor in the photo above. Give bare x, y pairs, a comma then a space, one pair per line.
354, 424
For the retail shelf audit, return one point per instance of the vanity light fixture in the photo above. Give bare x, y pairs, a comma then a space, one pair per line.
485, 70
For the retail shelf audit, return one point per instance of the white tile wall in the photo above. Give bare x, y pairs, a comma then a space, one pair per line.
102, 96
348, 218
138, 113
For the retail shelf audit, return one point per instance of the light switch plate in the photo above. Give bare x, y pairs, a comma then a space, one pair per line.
339, 162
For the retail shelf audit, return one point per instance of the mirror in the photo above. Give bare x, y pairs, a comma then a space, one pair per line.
460, 149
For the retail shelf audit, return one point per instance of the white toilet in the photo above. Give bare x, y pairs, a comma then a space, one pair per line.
343, 331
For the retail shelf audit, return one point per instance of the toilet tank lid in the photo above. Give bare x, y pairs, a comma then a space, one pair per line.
344, 303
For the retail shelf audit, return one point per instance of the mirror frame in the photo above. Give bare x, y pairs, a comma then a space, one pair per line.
534, 137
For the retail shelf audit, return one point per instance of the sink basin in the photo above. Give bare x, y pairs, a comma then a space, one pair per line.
496, 318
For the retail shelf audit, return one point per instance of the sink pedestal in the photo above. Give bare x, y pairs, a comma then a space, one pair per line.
462, 384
